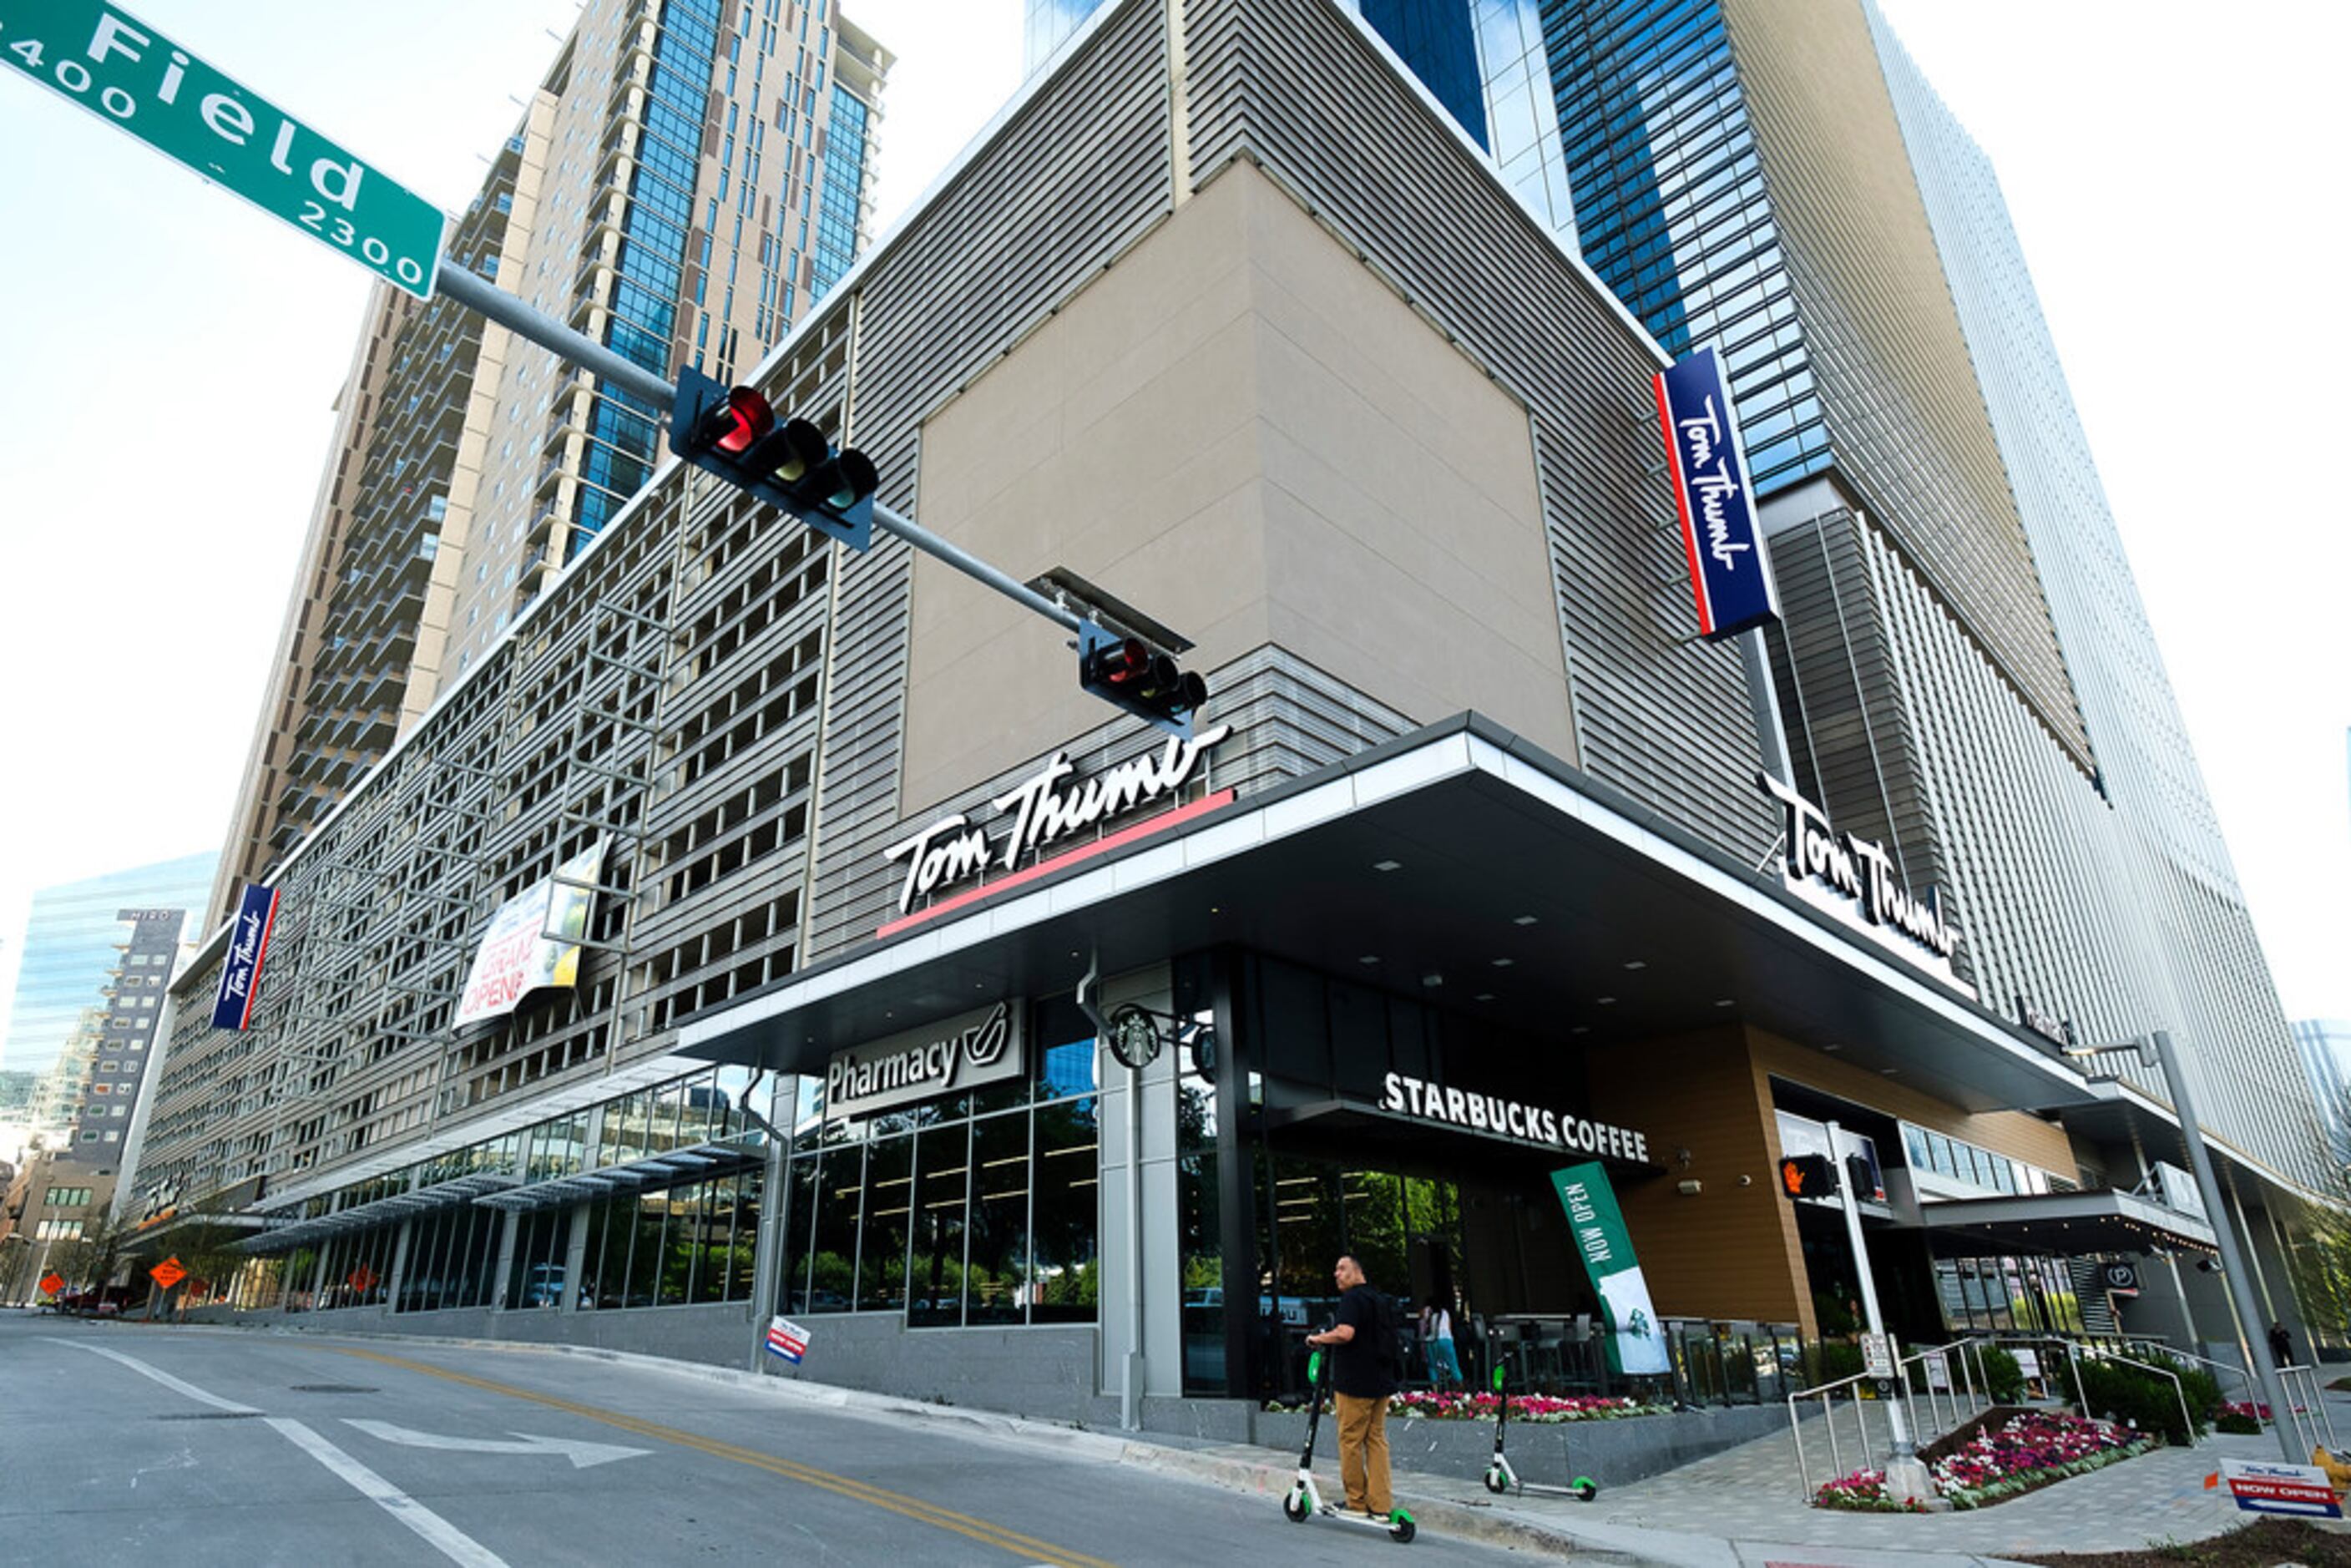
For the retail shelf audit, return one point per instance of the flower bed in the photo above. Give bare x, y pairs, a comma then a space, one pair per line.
1542, 1410
2026, 1452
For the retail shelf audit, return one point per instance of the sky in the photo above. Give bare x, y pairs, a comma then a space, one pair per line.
171, 356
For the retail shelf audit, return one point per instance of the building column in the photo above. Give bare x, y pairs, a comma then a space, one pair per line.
1236, 1192
575, 1258
318, 1279
502, 1281
399, 1266
775, 1205
1141, 1321
2254, 1261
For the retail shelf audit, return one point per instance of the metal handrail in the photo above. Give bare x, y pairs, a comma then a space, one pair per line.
2179, 1389
2314, 1406
1978, 1387
2234, 1370
1825, 1393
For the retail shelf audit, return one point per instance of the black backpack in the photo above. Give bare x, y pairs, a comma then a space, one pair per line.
1389, 1344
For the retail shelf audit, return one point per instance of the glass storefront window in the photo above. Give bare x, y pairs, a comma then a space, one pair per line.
978, 1209
882, 1243
942, 1198
1062, 1212
541, 1236
996, 1278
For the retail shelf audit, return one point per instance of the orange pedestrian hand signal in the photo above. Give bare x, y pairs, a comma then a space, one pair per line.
1807, 1175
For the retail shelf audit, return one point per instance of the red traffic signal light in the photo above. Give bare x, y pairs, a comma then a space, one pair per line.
1807, 1176
1126, 670
736, 424
732, 432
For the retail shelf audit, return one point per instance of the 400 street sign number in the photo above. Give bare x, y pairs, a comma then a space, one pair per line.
122, 69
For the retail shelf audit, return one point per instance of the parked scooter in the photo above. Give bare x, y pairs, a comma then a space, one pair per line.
1500, 1478
1304, 1500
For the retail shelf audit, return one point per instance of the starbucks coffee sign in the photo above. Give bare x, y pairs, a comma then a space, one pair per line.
1499, 1116
983, 1046
1852, 879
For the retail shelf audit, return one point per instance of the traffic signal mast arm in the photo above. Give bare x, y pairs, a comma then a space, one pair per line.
484, 299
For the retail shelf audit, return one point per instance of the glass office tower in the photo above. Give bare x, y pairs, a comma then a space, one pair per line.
1967, 672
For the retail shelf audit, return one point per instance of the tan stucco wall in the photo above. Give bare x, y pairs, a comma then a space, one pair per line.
1245, 434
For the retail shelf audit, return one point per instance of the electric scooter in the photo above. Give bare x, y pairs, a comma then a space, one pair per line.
1500, 1478
1304, 1500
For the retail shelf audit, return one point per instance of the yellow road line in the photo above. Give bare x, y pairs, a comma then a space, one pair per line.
923, 1512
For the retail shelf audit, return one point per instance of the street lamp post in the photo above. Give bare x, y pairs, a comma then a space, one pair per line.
2155, 1051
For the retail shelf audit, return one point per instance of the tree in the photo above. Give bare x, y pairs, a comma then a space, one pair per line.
209, 1251
2318, 1260
89, 1262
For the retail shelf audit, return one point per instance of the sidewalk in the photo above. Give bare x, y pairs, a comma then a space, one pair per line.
1740, 1509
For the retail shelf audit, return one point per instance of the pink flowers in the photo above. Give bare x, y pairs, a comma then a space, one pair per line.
1543, 1407
1429, 1406
1863, 1490
2038, 1445
2027, 1451
2247, 1412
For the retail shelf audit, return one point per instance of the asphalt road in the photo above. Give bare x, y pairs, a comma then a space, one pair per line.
121, 1443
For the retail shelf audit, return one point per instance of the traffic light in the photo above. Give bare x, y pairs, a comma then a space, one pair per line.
1126, 670
1807, 1176
732, 432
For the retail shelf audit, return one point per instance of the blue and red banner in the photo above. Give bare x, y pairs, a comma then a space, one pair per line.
787, 1339
249, 944
1732, 579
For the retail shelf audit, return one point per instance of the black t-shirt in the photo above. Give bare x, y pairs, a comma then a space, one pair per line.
1358, 1366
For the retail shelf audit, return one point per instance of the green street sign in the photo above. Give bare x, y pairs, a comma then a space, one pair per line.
123, 70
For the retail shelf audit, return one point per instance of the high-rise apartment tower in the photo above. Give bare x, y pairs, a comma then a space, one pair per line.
687, 180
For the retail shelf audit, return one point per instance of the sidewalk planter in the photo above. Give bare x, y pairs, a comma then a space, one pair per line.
1611, 1450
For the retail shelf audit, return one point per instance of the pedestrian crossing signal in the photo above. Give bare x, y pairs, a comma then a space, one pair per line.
1807, 1175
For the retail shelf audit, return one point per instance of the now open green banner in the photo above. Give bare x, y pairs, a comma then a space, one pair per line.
1636, 1343
123, 70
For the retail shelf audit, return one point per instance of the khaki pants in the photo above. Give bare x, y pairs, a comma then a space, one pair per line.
1364, 1452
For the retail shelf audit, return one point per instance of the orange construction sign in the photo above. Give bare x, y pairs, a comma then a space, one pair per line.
167, 1273
52, 1282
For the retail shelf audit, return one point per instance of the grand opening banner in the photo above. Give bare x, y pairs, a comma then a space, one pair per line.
533, 941
1636, 1344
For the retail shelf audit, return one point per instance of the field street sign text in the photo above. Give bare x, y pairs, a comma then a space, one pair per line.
123, 70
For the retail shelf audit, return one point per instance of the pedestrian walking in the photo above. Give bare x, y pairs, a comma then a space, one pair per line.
1436, 1336
2280, 1345
1362, 1374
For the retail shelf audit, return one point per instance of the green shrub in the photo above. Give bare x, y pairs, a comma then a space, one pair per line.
2237, 1426
1837, 1359
2134, 1398
2003, 1377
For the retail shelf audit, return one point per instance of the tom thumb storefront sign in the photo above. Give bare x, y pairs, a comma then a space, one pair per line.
1052, 804
1851, 878
983, 1046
